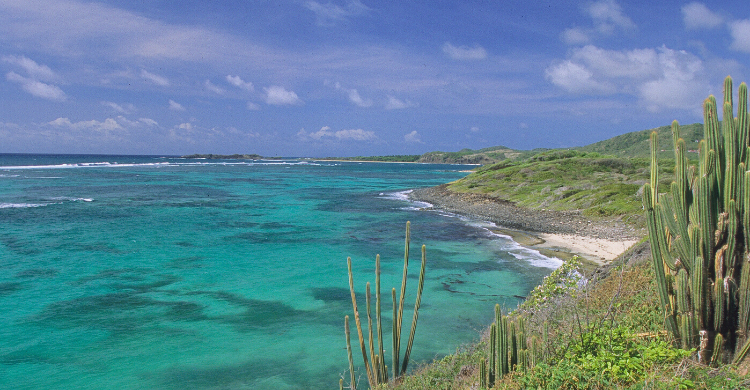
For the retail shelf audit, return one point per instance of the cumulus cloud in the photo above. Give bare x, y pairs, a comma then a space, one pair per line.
659, 78
37, 88
213, 87
740, 31
174, 106
397, 104
464, 52
239, 83
325, 132
697, 16
280, 96
328, 14
153, 78
413, 137
107, 126
252, 106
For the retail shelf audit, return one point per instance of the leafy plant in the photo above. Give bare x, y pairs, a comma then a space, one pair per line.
562, 281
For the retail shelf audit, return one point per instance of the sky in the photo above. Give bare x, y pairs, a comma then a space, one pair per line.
355, 77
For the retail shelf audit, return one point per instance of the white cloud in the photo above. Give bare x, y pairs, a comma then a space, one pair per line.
696, 16
659, 78
148, 121
354, 96
740, 31
123, 109
33, 69
280, 96
37, 88
239, 83
413, 137
32, 83
464, 52
328, 14
474, 129
185, 126
174, 106
575, 36
109, 124
252, 106
607, 15
397, 104
325, 132
575, 78
213, 88
356, 135
156, 79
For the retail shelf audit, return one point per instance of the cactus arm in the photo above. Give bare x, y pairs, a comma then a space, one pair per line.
371, 341
382, 373
394, 359
347, 331
416, 310
357, 321
397, 331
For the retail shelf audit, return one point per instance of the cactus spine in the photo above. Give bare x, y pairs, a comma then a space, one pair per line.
377, 371
700, 235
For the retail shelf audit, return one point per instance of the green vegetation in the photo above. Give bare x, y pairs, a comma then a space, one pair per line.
564, 180
375, 365
700, 236
482, 156
637, 143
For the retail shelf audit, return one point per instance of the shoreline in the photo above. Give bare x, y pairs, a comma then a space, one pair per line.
553, 233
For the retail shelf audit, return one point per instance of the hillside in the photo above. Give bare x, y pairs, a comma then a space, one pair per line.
636, 144
469, 156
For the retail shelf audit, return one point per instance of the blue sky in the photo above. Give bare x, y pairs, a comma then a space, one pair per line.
355, 77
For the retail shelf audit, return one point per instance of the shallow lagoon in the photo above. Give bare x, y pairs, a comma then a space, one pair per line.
152, 272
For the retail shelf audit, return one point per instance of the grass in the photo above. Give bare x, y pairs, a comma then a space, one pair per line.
604, 334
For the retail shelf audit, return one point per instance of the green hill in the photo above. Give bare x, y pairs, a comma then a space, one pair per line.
636, 144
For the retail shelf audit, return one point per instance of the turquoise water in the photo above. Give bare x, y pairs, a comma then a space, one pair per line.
166, 273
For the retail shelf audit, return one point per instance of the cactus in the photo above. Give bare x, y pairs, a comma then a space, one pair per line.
374, 360
482, 373
700, 235
509, 349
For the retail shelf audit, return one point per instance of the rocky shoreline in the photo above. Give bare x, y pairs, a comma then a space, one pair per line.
506, 214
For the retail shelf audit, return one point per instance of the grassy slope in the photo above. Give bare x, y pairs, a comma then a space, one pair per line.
613, 323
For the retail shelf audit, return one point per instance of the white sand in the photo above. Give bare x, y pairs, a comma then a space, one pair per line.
596, 249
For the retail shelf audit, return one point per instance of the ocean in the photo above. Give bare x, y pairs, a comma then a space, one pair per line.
148, 272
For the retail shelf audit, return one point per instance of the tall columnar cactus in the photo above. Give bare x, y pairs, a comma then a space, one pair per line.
375, 367
700, 235
508, 348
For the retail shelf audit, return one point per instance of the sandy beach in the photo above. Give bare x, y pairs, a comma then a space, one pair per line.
552, 232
